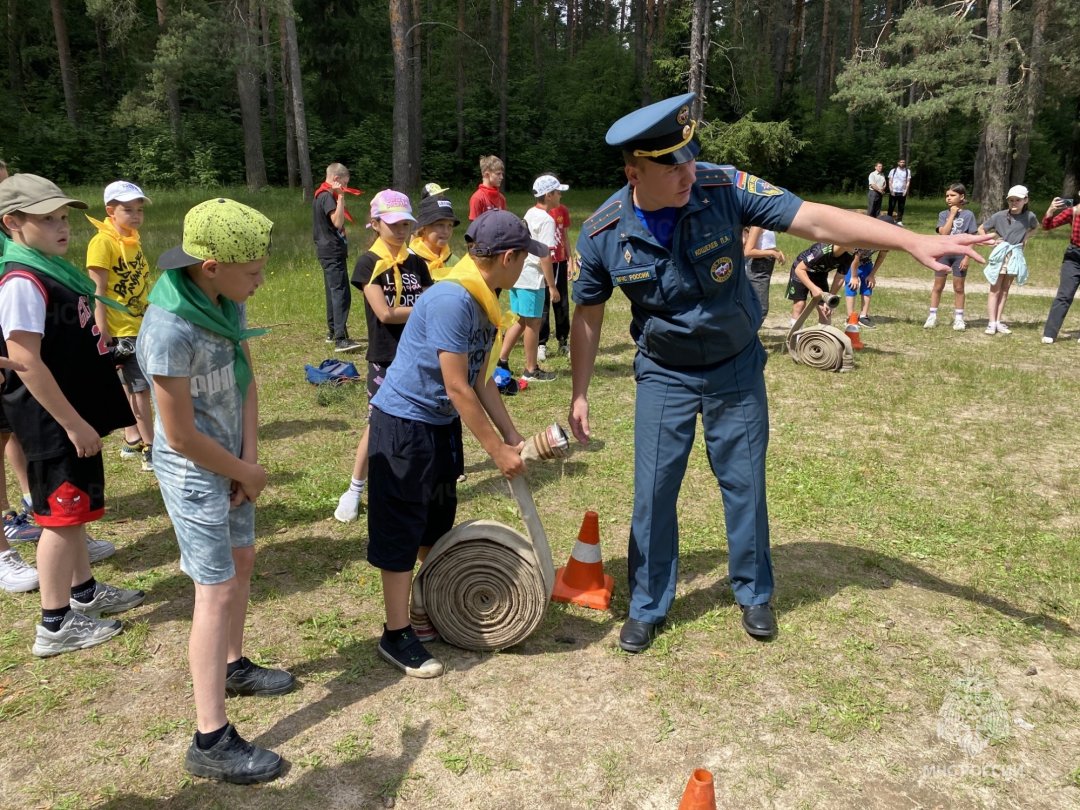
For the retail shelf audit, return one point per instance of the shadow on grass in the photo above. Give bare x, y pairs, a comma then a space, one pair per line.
808, 572
284, 428
366, 781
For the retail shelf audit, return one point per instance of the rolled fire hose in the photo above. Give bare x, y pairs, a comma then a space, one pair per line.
822, 347
484, 585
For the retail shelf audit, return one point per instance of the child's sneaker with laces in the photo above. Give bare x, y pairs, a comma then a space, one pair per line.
108, 599
16, 576
233, 759
1003, 328
931, 321
148, 458
408, 654
129, 450
99, 549
348, 507
959, 324
77, 632
251, 679
538, 375
20, 528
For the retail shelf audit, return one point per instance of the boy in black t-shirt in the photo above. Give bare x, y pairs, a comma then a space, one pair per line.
332, 249
60, 406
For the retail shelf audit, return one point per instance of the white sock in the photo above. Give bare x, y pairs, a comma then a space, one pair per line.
933, 310
356, 486
959, 313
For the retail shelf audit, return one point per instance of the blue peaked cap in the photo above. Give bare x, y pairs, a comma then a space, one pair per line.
664, 132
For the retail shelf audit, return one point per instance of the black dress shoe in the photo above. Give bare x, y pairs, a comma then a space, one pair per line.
759, 620
636, 636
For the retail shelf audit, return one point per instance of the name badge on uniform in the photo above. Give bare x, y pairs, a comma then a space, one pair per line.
633, 274
710, 245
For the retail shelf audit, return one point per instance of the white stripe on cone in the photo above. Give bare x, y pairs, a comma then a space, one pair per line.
586, 552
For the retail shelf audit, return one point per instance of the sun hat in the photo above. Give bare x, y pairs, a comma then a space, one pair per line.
432, 209
31, 194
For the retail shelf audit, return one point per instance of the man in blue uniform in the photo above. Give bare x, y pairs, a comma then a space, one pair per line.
671, 239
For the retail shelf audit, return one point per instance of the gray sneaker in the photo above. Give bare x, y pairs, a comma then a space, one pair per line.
538, 375
109, 599
99, 549
77, 632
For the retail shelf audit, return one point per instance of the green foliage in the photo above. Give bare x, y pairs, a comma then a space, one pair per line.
761, 146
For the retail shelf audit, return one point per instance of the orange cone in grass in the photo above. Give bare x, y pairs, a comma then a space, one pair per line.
583, 581
700, 793
852, 331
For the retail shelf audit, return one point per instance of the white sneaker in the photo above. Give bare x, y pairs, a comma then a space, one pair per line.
16, 576
991, 328
99, 549
541, 352
77, 632
1003, 329
1047, 339
108, 599
959, 325
348, 507
931, 321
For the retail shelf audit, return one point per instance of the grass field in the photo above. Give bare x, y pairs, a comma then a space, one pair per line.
925, 534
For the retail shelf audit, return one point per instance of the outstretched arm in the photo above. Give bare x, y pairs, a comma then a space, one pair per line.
825, 223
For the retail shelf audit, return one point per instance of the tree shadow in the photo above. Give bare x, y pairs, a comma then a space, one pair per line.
285, 428
366, 781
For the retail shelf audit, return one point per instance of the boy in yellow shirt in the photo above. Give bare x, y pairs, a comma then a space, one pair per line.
115, 261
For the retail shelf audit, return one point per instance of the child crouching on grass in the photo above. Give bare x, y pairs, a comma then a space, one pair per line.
441, 372
63, 400
193, 346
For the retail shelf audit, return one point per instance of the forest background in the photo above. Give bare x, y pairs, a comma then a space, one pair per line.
809, 93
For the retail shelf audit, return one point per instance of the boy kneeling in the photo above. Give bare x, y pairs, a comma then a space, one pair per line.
193, 346
439, 379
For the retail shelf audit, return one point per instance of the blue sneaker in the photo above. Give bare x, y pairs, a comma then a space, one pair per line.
20, 528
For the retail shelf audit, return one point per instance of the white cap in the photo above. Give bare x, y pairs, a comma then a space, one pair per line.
1017, 191
123, 191
547, 183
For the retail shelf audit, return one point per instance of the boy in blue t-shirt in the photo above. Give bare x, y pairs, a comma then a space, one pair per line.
193, 346
439, 374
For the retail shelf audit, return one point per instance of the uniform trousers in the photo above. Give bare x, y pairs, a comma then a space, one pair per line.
1067, 286
734, 412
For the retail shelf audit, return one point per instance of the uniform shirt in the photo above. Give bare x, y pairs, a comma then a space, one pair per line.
688, 305
561, 214
446, 318
415, 278
542, 228
170, 346
485, 198
74, 353
328, 239
128, 280
1011, 229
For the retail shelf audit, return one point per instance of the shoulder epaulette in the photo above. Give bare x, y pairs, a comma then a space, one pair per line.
603, 218
716, 176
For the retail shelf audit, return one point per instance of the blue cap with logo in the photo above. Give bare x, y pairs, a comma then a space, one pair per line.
664, 132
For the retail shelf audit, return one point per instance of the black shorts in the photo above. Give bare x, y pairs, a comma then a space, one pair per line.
797, 291
5, 425
412, 487
67, 490
131, 374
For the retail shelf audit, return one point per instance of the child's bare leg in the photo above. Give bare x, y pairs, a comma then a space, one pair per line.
510, 339
397, 586
244, 560
796, 309
62, 561
865, 311
144, 422
1003, 295
211, 628
937, 289
13, 451
360, 464
532, 341
992, 302
958, 291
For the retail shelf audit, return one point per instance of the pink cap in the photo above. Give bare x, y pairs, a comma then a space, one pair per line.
391, 206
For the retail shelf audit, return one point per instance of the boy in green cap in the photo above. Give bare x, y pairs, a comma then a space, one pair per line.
193, 346
60, 403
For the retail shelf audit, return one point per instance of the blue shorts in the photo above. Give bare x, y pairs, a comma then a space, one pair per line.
207, 531
527, 303
865, 269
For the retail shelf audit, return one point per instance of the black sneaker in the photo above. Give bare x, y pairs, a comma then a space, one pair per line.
346, 345
251, 679
409, 655
864, 320
505, 366
233, 759
538, 375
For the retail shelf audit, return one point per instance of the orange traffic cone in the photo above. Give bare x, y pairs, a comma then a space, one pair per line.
852, 331
700, 793
582, 580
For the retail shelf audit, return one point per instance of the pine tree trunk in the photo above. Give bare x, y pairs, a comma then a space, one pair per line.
1070, 183
1033, 94
303, 156
268, 63
504, 76
416, 128
406, 166
291, 170
855, 29
824, 46
247, 89
794, 46
459, 150
67, 68
699, 39
15, 85
992, 161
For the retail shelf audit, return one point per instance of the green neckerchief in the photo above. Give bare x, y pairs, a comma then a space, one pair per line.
175, 292
58, 269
